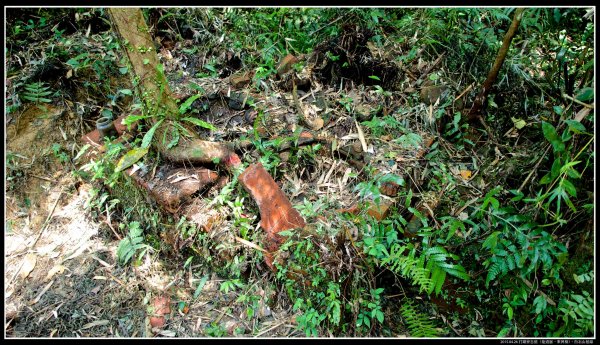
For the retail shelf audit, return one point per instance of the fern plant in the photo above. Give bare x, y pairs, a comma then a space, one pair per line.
577, 313
37, 92
419, 325
402, 260
428, 270
131, 244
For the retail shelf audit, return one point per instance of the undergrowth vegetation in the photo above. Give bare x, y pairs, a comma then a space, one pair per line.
489, 235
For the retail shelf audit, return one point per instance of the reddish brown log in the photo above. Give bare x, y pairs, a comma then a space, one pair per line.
276, 211
176, 186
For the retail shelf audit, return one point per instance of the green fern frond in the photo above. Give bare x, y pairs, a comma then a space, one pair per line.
131, 244
37, 92
419, 325
582, 278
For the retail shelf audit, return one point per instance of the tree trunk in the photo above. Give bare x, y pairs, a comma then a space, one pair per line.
137, 43
157, 97
479, 103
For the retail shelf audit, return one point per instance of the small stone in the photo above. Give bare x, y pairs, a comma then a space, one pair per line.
380, 211
316, 124
235, 102
357, 147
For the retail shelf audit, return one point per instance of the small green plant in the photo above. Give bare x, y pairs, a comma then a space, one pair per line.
370, 189
230, 285
37, 92
371, 310
577, 313
132, 244
215, 330
59, 154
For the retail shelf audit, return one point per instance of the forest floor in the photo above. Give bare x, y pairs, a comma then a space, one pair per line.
63, 278
340, 142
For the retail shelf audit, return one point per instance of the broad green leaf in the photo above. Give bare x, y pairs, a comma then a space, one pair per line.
519, 123
459, 273
123, 70
552, 136
130, 158
82, 151
569, 166
175, 140
126, 92
569, 187
585, 94
196, 87
492, 241
575, 126
183, 108
148, 136
558, 109
129, 120
200, 123
503, 332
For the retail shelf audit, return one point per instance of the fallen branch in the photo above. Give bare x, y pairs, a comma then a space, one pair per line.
548, 299
534, 169
591, 106
47, 221
428, 69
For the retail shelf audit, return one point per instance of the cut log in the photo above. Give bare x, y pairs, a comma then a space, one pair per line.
276, 211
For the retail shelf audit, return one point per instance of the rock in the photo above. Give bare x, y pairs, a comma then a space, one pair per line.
276, 211
357, 147
380, 211
365, 112
316, 124
236, 101
389, 188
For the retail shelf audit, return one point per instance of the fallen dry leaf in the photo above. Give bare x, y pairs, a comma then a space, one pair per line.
582, 114
361, 136
95, 323
466, 174
28, 265
54, 270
